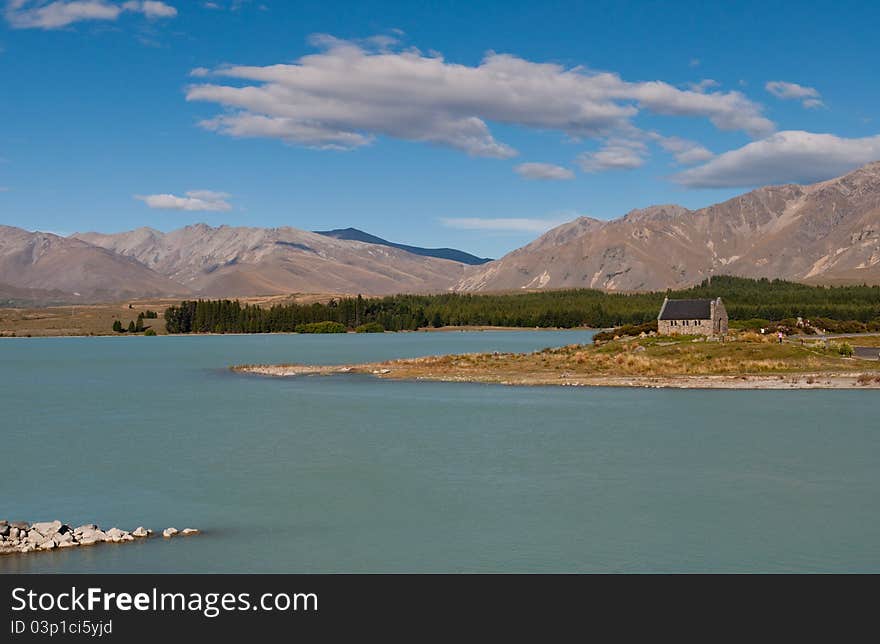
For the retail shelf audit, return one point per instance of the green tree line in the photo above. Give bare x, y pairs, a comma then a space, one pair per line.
744, 298
135, 327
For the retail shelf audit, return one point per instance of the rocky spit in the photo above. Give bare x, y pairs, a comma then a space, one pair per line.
20, 537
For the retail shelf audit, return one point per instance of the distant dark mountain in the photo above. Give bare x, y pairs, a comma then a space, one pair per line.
353, 234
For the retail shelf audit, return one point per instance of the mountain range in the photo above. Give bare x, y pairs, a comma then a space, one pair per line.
233, 261
354, 234
45, 267
827, 232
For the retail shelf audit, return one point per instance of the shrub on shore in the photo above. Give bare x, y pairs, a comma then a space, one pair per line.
845, 349
321, 327
626, 329
752, 336
370, 327
791, 326
753, 324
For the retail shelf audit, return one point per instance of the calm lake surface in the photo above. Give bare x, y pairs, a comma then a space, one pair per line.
353, 474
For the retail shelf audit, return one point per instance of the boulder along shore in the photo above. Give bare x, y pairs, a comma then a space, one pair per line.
21, 537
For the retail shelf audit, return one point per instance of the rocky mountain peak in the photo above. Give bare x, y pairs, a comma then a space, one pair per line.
664, 212
828, 231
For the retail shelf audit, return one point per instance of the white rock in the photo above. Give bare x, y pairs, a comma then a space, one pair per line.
141, 532
92, 537
47, 527
189, 531
169, 532
116, 535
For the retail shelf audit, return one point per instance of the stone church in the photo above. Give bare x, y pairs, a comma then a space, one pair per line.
692, 317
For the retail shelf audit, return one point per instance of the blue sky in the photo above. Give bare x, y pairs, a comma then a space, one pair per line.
467, 124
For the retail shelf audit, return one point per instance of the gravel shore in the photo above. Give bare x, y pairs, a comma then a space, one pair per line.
413, 370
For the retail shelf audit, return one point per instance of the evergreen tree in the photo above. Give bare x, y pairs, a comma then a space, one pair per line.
839, 309
117, 326
131, 327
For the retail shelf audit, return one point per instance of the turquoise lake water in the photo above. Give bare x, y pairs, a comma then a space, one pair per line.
354, 474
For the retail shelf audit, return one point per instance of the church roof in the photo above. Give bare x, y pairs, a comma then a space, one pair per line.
686, 310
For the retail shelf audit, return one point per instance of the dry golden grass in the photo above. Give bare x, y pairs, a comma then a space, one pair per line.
751, 336
652, 357
646, 362
93, 319
863, 341
97, 319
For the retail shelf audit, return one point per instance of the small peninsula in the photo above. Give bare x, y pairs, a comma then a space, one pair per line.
741, 361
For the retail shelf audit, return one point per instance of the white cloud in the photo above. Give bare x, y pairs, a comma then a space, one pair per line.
382, 42
195, 200
703, 85
809, 96
349, 93
543, 171
686, 152
786, 157
725, 110
784, 90
25, 14
509, 224
617, 154
230, 5
54, 14
150, 8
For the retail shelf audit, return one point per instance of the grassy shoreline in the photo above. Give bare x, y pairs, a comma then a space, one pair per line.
745, 362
